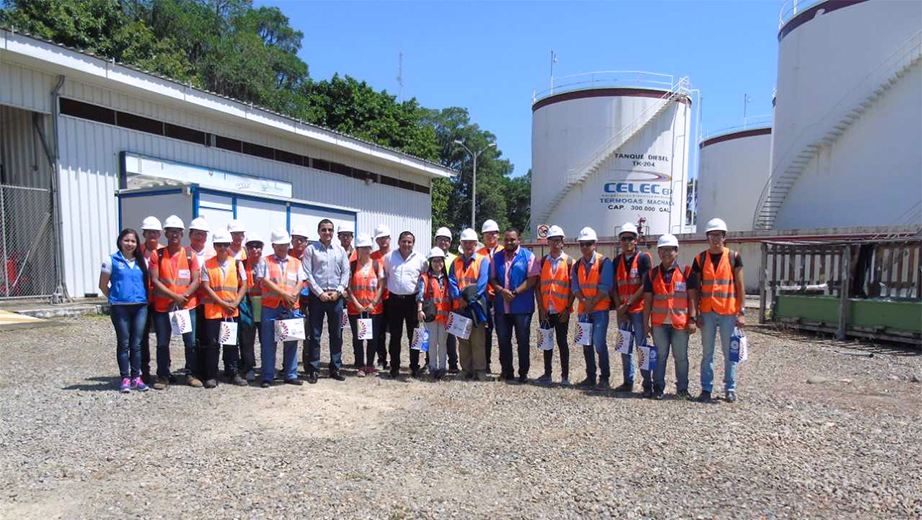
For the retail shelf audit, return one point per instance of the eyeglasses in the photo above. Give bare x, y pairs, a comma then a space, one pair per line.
216, 246
628, 238
254, 246
586, 244
298, 239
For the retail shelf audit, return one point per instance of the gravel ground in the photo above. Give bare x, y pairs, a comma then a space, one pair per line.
845, 446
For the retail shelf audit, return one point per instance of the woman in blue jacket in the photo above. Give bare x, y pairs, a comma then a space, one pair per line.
123, 279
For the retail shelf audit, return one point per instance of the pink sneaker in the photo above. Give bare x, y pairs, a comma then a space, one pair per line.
138, 384
125, 387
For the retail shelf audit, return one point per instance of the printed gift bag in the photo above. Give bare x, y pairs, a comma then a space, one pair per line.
363, 329
345, 321
420, 339
545, 336
623, 342
180, 322
228, 333
289, 330
647, 357
739, 346
583, 333
459, 326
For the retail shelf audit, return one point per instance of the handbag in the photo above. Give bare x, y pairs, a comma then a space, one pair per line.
623, 340
739, 346
459, 326
647, 357
363, 328
227, 335
291, 328
180, 322
420, 339
545, 336
583, 332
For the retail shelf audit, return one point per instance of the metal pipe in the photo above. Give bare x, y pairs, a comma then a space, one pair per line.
57, 220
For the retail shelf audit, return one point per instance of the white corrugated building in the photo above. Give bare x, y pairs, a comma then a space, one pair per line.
107, 130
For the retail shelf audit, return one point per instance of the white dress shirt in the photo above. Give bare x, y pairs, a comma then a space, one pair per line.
403, 274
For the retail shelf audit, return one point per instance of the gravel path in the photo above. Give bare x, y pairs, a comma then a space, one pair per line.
847, 446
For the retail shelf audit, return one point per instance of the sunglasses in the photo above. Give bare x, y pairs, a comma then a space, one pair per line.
628, 238
254, 246
216, 246
586, 244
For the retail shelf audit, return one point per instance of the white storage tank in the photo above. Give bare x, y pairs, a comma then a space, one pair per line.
848, 116
608, 148
733, 166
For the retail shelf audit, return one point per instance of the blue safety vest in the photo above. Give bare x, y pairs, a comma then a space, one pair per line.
523, 303
126, 283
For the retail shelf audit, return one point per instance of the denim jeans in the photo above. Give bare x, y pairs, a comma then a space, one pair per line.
634, 325
711, 321
666, 337
164, 334
488, 335
521, 323
333, 311
365, 354
129, 322
599, 320
267, 347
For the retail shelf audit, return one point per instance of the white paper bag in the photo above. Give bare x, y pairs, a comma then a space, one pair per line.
459, 326
623, 342
181, 322
545, 338
739, 346
420, 339
646, 356
364, 329
583, 334
228, 333
289, 330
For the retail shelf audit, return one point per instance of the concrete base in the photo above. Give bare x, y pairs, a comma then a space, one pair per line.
37, 309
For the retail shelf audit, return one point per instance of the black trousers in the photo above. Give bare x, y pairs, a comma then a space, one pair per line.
145, 341
364, 350
247, 339
212, 352
306, 344
560, 330
380, 339
401, 310
201, 341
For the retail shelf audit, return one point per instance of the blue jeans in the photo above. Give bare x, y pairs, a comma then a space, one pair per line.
599, 320
164, 334
267, 347
710, 322
666, 337
505, 323
129, 322
634, 325
334, 314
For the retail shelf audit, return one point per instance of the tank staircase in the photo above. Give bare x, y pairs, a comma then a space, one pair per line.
579, 175
835, 123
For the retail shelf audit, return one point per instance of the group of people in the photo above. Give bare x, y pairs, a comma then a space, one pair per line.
486, 286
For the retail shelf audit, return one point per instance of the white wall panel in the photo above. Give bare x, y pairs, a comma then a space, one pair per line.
23, 87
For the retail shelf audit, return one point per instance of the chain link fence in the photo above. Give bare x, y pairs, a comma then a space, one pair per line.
27, 243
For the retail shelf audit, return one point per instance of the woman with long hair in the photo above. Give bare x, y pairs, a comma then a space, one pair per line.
123, 279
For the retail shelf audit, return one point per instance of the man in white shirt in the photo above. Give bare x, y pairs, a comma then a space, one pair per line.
402, 269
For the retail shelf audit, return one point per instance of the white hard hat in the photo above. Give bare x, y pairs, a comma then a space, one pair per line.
254, 237
221, 237
235, 226
586, 234
443, 232
151, 224
435, 252
488, 226
300, 231
628, 228
343, 228
716, 224
199, 224
667, 240
468, 234
363, 240
382, 231
174, 222
279, 236
555, 231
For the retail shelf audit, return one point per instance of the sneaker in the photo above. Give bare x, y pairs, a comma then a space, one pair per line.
125, 386
193, 381
265, 384
625, 388
565, 382
250, 375
361, 372
658, 394
211, 383
731, 396
370, 370
138, 384
312, 378
544, 380
705, 397
482, 376
162, 383
294, 381
586, 383
603, 385
647, 393
684, 395
238, 381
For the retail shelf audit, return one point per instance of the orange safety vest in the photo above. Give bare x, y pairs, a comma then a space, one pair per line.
150, 282
287, 280
437, 292
176, 282
718, 288
377, 255
253, 288
628, 281
554, 285
466, 276
363, 284
670, 302
225, 286
491, 292
589, 284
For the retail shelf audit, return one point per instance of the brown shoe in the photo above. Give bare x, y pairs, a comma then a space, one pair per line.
162, 383
193, 381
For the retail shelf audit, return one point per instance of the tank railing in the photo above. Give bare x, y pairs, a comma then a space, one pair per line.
903, 56
791, 8
605, 78
748, 122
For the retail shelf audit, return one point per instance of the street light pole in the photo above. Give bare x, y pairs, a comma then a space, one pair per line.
474, 180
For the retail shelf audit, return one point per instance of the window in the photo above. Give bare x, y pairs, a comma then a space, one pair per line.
70, 107
258, 150
141, 124
288, 157
226, 143
185, 134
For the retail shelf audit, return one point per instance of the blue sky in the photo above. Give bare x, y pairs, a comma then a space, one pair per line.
490, 56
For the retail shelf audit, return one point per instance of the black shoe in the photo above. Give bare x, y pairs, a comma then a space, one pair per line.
414, 373
684, 395
453, 370
658, 394
523, 379
265, 384
468, 376
731, 396
603, 385
647, 393
705, 397
337, 376
625, 388
294, 381
312, 377
586, 383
